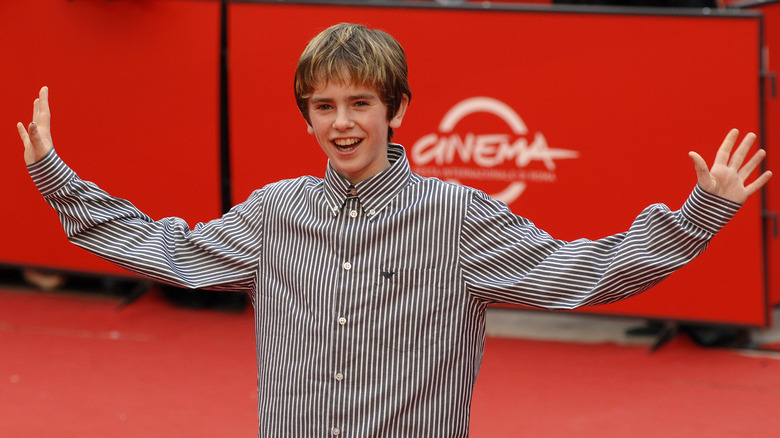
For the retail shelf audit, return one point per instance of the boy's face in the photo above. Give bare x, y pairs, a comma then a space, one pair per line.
350, 124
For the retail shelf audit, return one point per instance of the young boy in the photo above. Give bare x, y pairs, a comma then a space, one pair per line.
370, 285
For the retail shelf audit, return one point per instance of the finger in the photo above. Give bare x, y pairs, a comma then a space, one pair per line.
36, 108
23, 134
724, 151
758, 183
34, 134
752, 164
702, 172
29, 155
742, 150
44, 115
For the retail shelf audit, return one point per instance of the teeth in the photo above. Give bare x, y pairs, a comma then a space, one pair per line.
344, 142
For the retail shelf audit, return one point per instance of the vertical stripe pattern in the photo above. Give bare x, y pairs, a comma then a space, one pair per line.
369, 300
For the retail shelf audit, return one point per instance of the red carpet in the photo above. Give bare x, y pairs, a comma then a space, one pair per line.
545, 389
771, 346
74, 366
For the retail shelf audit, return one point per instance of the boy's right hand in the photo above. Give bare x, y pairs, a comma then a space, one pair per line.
37, 137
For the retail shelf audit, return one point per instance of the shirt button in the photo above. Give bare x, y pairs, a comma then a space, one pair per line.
372, 212
347, 266
335, 431
353, 191
342, 320
339, 377
353, 213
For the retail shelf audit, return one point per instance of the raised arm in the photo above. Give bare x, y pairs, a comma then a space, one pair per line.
37, 137
728, 175
221, 254
507, 259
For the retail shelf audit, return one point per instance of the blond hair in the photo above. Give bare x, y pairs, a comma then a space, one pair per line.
353, 54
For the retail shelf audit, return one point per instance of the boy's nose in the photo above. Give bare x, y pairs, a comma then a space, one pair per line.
343, 121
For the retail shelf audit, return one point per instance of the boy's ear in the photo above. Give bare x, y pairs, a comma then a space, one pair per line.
309, 129
395, 122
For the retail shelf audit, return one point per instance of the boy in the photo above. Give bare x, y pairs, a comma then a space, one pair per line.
370, 285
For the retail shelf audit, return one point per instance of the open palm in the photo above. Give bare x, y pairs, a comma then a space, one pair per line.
726, 178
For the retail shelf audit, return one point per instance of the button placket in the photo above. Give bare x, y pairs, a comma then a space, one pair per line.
349, 218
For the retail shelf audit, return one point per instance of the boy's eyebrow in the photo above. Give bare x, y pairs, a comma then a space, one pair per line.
362, 96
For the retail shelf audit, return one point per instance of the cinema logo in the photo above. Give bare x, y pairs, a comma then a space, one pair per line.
502, 161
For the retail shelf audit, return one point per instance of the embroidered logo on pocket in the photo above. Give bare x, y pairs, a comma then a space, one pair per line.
406, 308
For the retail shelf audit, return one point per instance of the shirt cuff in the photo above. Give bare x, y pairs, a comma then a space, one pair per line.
708, 211
50, 173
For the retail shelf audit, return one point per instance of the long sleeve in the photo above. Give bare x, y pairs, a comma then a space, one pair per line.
221, 254
506, 259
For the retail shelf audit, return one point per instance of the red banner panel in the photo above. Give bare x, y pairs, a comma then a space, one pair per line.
134, 98
577, 121
770, 11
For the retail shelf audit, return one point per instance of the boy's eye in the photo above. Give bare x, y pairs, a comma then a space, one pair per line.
323, 106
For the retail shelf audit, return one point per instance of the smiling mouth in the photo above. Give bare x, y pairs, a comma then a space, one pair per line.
347, 144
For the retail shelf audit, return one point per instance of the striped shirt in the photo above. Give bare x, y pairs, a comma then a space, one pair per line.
370, 300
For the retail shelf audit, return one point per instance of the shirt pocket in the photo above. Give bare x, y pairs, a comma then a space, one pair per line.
407, 309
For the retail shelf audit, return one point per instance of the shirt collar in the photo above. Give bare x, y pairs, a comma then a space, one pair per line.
374, 193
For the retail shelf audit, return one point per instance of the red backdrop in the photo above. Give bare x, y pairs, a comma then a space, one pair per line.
629, 95
133, 91
598, 112
770, 11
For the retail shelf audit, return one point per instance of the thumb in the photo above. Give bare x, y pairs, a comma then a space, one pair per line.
29, 156
23, 134
702, 171
34, 146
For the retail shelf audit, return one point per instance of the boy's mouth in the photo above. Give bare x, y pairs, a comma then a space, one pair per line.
347, 144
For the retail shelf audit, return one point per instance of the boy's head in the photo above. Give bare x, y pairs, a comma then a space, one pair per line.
353, 54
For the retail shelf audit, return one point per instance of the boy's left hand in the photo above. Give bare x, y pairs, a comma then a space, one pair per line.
727, 176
